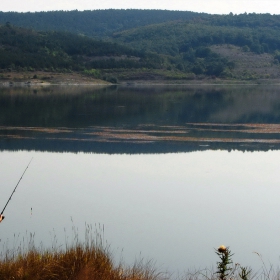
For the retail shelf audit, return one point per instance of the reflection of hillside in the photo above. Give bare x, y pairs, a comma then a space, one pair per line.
258, 107
86, 106
163, 118
143, 138
124, 148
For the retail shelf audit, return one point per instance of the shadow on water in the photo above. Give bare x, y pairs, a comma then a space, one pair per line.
143, 119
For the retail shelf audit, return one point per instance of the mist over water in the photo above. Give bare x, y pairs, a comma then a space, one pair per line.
166, 171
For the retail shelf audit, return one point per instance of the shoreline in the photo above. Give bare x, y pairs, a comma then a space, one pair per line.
41, 78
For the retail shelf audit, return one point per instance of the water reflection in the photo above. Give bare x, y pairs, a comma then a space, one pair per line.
126, 165
148, 119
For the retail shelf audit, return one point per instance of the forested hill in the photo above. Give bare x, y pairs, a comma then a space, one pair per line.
97, 23
24, 49
143, 44
103, 23
174, 38
251, 20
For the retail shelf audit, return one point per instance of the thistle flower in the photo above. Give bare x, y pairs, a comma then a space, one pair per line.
222, 249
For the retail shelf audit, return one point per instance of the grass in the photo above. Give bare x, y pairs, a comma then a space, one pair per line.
79, 263
92, 260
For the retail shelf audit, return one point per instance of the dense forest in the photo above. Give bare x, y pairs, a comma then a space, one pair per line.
138, 44
26, 49
98, 23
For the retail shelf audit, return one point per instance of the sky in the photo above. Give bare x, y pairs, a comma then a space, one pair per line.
207, 6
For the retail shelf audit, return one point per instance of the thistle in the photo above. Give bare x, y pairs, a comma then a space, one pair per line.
224, 269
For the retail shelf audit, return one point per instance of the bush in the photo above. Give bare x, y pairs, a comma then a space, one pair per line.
111, 79
92, 72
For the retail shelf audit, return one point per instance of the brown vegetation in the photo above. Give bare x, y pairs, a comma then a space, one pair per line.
79, 263
87, 261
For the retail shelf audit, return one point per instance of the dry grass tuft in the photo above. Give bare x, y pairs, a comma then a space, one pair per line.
59, 265
77, 263
90, 260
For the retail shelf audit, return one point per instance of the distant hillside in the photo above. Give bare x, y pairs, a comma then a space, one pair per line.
23, 49
143, 44
177, 37
249, 65
98, 23
191, 43
27, 50
251, 20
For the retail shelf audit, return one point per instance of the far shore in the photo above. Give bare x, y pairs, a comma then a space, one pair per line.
41, 78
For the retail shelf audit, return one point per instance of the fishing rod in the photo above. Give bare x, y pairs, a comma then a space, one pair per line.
16, 187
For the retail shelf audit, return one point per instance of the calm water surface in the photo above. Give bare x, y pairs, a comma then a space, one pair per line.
171, 173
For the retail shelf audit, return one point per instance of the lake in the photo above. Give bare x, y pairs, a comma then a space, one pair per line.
169, 172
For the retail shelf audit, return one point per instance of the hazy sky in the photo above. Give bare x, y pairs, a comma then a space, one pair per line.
208, 6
